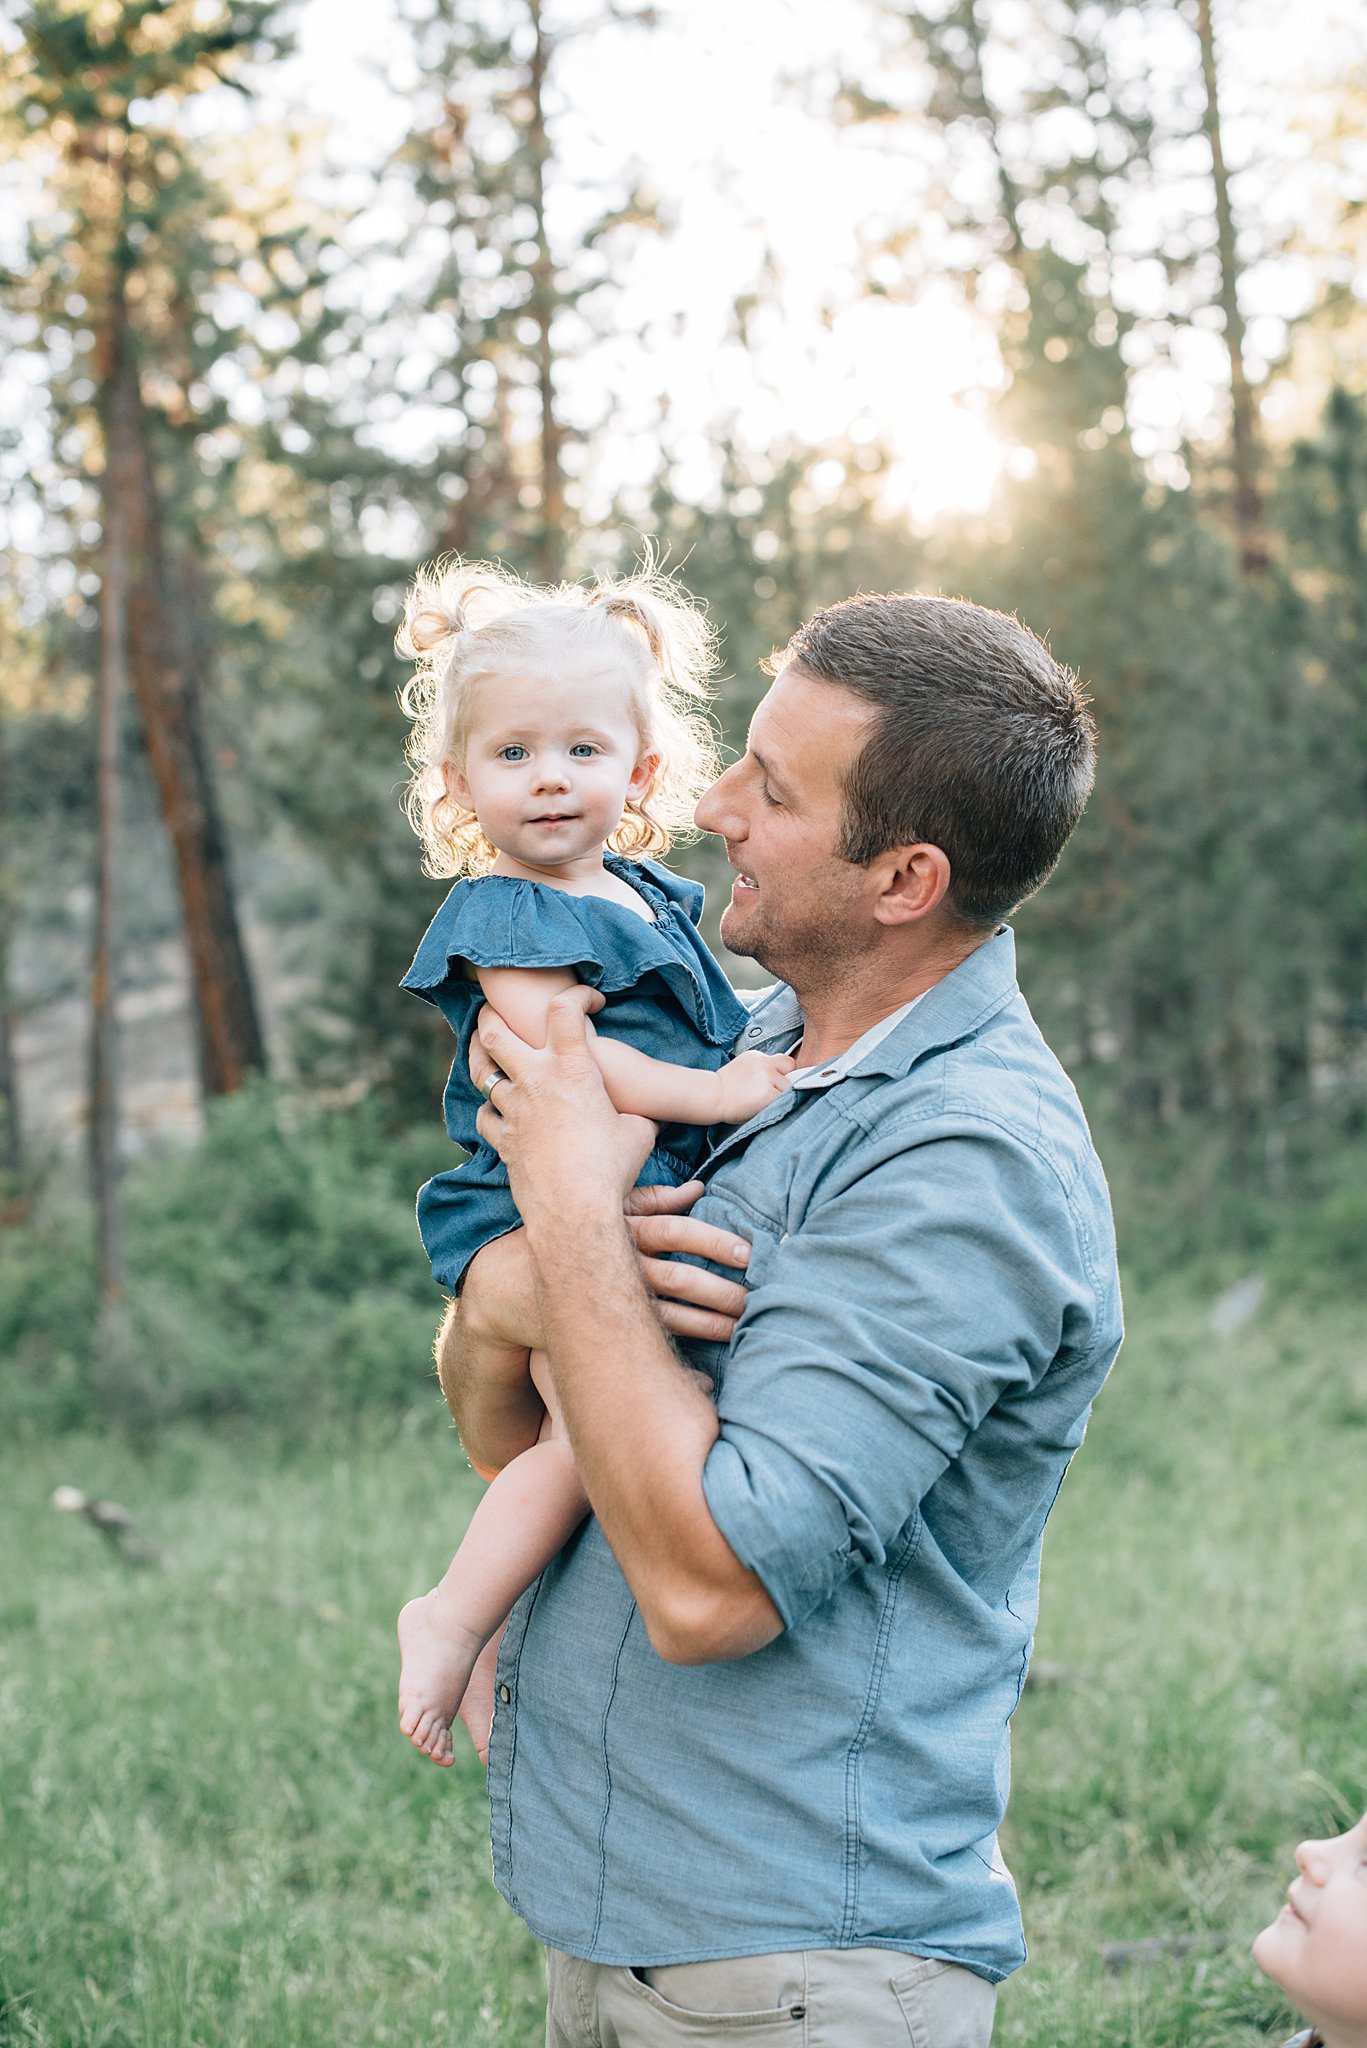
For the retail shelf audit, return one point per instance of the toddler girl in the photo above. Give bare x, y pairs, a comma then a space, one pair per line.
559, 736
1316, 1948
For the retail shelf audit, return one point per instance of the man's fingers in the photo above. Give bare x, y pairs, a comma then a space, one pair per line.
504, 1048
699, 1323
567, 1018
693, 1285
663, 1200
687, 1234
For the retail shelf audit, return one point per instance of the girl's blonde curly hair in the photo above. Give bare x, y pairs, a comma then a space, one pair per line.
470, 622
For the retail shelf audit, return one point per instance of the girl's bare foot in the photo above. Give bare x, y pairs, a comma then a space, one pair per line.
437, 1656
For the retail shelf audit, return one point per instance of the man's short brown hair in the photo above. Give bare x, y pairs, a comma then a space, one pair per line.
982, 744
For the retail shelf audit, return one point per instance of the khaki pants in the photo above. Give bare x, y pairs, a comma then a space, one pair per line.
813, 1998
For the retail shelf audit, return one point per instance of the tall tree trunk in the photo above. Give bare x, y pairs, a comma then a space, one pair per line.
551, 543
120, 436
168, 645
1248, 497
11, 1130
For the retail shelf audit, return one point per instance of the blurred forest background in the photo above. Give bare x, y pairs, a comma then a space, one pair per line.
1055, 304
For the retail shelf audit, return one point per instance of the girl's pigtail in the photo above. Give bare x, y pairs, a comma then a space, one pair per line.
676, 631
683, 654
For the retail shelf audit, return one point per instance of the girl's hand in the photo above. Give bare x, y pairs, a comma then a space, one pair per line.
750, 1083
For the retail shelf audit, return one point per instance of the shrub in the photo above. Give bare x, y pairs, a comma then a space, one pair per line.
273, 1269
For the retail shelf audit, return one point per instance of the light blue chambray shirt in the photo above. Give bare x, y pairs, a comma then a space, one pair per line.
933, 1304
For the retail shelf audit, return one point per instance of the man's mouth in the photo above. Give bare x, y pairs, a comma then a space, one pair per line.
744, 881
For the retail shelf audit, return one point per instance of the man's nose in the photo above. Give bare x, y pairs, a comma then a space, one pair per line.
715, 811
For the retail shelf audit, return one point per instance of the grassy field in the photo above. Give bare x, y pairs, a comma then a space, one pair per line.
213, 1836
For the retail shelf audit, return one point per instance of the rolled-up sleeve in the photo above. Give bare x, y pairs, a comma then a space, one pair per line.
925, 1282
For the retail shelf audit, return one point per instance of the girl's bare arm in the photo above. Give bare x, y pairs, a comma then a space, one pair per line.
638, 1085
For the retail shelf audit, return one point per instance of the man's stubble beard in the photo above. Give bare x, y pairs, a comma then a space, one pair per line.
814, 958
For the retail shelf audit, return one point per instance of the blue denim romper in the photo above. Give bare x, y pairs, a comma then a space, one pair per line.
665, 994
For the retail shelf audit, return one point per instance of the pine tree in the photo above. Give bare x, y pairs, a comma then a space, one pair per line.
125, 252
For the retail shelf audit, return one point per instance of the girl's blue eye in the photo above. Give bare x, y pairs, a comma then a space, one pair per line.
581, 750
513, 753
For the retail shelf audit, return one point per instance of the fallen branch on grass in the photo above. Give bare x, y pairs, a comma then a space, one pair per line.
114, 1523
1161, 1948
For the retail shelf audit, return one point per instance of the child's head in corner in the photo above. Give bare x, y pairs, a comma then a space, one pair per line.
548, 723
1316, 1948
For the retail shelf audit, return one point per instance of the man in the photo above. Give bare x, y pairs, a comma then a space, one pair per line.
750, 1749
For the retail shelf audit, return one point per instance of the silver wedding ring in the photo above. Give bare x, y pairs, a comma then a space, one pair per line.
486, 1088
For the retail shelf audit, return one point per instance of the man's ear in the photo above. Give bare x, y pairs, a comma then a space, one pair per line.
644, 773
915, 882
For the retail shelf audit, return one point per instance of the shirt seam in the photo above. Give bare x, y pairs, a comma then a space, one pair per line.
854, 1755
607, 1781
912, 1115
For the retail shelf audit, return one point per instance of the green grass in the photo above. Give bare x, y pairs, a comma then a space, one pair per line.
213, 1833
213, 1836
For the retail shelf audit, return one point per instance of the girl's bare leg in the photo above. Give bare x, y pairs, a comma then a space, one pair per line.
476, 1709
529, 1511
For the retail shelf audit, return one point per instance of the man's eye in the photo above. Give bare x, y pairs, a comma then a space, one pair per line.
768, 796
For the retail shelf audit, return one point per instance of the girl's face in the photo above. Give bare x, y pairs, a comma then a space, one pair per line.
1316, 1948
550, 763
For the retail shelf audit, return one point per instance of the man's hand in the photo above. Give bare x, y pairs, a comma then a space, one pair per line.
550, 1119
691, 1301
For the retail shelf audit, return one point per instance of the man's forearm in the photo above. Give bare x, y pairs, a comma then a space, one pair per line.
641, 1429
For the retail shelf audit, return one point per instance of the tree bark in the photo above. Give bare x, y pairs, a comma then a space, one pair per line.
551, 544
120, 430
168, 646
1248, 497
11, 1129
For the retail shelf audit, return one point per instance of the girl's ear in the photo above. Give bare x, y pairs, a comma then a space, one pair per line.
457, 788
644, 773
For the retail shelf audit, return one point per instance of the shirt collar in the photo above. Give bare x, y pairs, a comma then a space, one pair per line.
843, 1063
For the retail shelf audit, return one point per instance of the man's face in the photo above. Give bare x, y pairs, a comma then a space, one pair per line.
1316, 1948
796, 907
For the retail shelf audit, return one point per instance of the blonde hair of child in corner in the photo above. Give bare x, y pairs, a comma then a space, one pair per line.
1316, 1948
559, 737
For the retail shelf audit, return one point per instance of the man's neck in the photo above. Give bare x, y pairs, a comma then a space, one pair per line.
838, 1010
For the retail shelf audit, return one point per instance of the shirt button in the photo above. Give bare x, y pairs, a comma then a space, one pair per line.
505, 1693
755, 1031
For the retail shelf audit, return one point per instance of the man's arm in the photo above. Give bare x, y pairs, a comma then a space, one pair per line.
640, 1426
482, 1344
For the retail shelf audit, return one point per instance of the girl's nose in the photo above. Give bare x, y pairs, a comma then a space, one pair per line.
1310, 1860
552, 774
